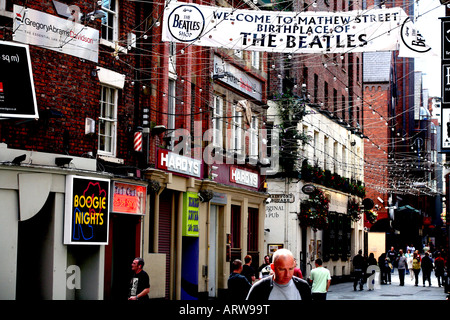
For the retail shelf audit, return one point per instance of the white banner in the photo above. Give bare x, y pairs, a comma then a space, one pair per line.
50, 32
293, 32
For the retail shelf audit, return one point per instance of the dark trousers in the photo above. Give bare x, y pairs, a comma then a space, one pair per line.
401, 275
319, 296
359, 279
426, 275
416, 275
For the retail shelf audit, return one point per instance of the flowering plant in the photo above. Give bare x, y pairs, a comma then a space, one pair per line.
353, 210
371, 216
314, 211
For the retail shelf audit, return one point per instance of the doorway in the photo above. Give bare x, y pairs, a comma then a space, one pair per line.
122, 249
212, 252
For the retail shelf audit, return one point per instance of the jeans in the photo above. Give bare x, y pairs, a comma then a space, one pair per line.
401, 275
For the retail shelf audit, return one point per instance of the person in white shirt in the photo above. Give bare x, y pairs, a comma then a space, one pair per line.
321, 281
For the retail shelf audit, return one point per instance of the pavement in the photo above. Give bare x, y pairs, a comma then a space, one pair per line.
393, 291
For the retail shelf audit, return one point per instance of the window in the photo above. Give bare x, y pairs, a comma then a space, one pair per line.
254, 137
217, 121
236, 131
107, 124
316, 87
255, 59
110, 24
171, 112
172, 59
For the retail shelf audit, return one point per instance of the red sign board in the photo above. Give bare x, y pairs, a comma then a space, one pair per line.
129, 198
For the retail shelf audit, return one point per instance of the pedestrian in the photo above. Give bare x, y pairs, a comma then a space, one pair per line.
247, 269
371, 261
140, 281
282, 284
439, 268
392, 255
388, 267
427, 267
402, 267
416, 266
409, 258
297, 271
359, 268
321, 280
264, 269
382, 265
411, 249
238, 285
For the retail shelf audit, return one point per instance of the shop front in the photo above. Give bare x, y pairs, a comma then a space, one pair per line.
197, 227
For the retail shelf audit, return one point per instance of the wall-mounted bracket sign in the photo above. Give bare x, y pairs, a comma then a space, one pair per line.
191, 203
86, 210
128, 198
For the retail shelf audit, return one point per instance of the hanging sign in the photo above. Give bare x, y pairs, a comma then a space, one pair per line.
129, 198
191, 203
292, 32
86, 211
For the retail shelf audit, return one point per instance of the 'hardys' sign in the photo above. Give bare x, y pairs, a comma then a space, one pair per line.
293, 32
87, 210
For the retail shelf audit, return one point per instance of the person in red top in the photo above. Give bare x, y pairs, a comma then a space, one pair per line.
297, 271
439, 267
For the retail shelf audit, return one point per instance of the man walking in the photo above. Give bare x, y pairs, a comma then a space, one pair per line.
238, 285
140, 281
360, 266
402, 267
282, 284
321, 280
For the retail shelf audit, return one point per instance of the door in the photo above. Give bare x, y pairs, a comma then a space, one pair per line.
212, 252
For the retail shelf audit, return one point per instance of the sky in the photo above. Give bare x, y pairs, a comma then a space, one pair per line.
429, 25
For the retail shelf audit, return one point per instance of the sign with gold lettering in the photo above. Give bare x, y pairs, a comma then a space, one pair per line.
191, 204
87, 211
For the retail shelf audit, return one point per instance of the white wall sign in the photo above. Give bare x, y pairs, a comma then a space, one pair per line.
243, 177
238, 79
174, 162
50, 32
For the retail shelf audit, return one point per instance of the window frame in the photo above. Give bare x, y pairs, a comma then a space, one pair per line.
114, 27
236, 131
111, 101
254, 146
217, 121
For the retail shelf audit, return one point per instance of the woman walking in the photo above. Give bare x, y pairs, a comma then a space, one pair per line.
416, 266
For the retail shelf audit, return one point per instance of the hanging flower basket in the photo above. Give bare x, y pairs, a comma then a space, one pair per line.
353, 210
206, 195
371, 216
314, 211
154, 186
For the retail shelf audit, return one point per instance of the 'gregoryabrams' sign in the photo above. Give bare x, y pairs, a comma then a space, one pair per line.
305, 32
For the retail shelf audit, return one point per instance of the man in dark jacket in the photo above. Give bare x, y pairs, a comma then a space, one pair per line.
238, 285
359, 268
282, 284
427, 267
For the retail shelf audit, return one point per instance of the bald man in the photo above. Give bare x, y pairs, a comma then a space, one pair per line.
281, 284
